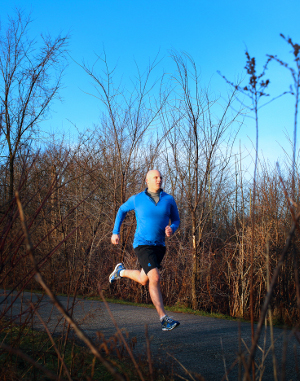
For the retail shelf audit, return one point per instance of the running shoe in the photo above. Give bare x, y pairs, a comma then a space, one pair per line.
167, 324
116, 273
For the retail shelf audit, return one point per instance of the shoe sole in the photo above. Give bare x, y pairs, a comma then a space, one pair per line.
111, 275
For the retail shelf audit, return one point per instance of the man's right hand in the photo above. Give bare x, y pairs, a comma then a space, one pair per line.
115, 238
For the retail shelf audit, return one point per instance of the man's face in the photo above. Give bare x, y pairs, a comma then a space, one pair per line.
154, 180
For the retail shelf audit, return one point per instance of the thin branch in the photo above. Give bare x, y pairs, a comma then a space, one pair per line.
82, 336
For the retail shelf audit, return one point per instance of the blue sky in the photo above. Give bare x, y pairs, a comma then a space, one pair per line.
215, 33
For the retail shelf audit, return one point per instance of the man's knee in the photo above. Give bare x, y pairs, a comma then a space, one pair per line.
144, 281
154, 276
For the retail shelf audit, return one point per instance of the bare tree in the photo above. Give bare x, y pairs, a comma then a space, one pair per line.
200, 148
294, 90
30, 78
126, 128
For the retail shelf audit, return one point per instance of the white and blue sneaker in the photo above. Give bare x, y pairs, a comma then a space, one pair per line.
116, 273
167, 323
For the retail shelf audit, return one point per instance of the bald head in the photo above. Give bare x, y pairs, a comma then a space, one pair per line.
153, 172
154, 180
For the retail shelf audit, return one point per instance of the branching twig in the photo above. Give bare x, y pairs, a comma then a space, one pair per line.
264, 309
28, 359
149, 354
52, 341
58, 305
121, 335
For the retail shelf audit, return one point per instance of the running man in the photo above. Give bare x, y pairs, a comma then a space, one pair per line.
153, 208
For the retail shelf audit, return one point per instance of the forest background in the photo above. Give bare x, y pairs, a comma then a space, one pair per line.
236, 205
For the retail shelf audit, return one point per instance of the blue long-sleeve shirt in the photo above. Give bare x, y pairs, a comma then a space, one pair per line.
151, 218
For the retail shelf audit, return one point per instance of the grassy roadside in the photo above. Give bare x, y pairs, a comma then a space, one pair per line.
79, 362
186, 310
38, 347
179, 308
77, 359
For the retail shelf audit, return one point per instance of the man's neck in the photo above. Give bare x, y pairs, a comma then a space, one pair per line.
154, 195
155, 191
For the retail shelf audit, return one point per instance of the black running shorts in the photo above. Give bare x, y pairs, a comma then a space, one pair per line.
149, 256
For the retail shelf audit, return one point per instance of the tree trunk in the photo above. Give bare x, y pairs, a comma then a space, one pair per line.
11, 179
195, 271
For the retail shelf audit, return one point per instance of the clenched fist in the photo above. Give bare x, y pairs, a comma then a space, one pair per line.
115, 238
168, 231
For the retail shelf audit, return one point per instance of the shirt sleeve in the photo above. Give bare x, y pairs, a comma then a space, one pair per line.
123, 210
175, 219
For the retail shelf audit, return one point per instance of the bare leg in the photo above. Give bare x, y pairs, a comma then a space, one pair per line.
136, 275
153, 278
155, 291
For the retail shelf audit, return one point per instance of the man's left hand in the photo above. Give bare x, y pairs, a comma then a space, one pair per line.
168, 231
